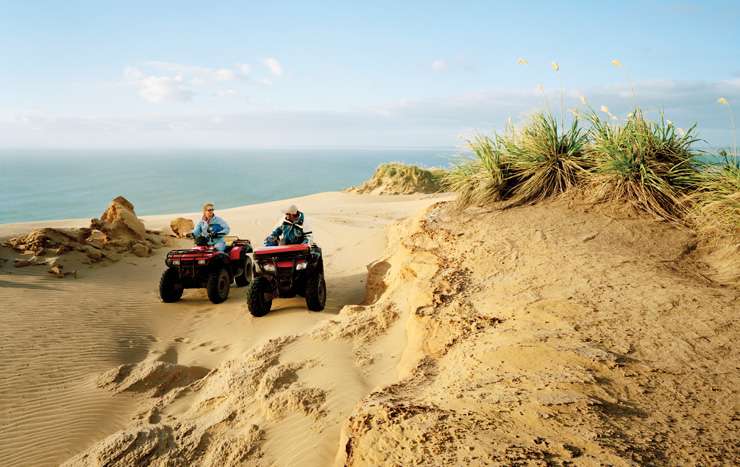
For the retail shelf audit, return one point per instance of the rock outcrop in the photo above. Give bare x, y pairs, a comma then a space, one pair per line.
119, 221
182, 227
118, 232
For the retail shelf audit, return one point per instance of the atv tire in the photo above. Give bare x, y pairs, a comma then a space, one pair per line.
257, 303
218, 285
316, 291
243, 279
170, 287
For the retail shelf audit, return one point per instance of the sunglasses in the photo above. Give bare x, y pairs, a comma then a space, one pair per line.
209, 209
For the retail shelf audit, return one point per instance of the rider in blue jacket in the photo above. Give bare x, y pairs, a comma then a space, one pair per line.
212, 227
290, 230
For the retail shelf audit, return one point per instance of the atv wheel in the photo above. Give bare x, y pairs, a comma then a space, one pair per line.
316, 292
170, 287
257, 301
218, 285
243, 279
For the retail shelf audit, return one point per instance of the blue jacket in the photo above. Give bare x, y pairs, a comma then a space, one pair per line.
292, 233
217, 227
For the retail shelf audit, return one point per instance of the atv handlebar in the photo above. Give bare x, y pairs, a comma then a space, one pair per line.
209, 237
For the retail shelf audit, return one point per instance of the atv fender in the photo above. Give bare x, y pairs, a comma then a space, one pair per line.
219, 262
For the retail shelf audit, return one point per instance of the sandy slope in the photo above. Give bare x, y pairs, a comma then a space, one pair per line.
58, 336
551, 334
548, 334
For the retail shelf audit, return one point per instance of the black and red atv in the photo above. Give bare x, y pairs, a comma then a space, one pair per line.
206, 267
284, 272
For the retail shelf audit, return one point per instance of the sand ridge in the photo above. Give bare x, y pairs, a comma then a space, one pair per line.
552, 334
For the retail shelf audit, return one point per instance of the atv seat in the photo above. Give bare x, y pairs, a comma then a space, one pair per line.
272, 250
233, 242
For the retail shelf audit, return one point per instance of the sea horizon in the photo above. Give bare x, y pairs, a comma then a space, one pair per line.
65, 183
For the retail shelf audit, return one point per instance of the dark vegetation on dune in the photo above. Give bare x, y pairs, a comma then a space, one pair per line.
648, 166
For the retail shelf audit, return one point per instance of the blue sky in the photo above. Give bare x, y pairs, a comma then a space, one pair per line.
253, 74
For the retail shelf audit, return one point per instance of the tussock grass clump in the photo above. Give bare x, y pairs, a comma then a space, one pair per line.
399, 178
484, 177
649, 165
716, 210
545, 158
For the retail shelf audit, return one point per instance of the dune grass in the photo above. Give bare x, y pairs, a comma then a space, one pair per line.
648, 165
484, 177
397, 177
546, 158
651, 166
716, 208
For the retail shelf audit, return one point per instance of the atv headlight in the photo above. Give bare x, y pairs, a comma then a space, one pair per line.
268, 267
176, 262
201, 261
301, 266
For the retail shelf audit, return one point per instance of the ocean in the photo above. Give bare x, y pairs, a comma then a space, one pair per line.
64, 184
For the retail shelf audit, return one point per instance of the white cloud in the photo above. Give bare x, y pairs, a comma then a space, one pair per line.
405, 122
158, 88
159, 81
440, 65
274, 66
244, 68
194, 74
227, 93
224, 74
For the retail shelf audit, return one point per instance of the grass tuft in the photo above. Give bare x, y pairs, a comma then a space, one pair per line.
648, 165
716, 209
546, 159
484, 177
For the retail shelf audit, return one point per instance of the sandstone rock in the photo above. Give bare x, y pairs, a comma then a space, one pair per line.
182, 227
156, 241
119, 220
93, 253
57, 270
97, 238
117, 232
41, 239
141, 249
119, 245
82, 233
123, 202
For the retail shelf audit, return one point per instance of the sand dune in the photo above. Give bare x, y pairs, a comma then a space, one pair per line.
58, 336
546, 334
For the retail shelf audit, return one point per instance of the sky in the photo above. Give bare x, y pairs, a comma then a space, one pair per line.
140, 74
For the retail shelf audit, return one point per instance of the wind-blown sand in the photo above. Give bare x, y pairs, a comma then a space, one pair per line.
58, 336
543, 334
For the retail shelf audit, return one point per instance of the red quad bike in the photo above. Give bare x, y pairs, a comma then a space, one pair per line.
205, 266
284, 272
